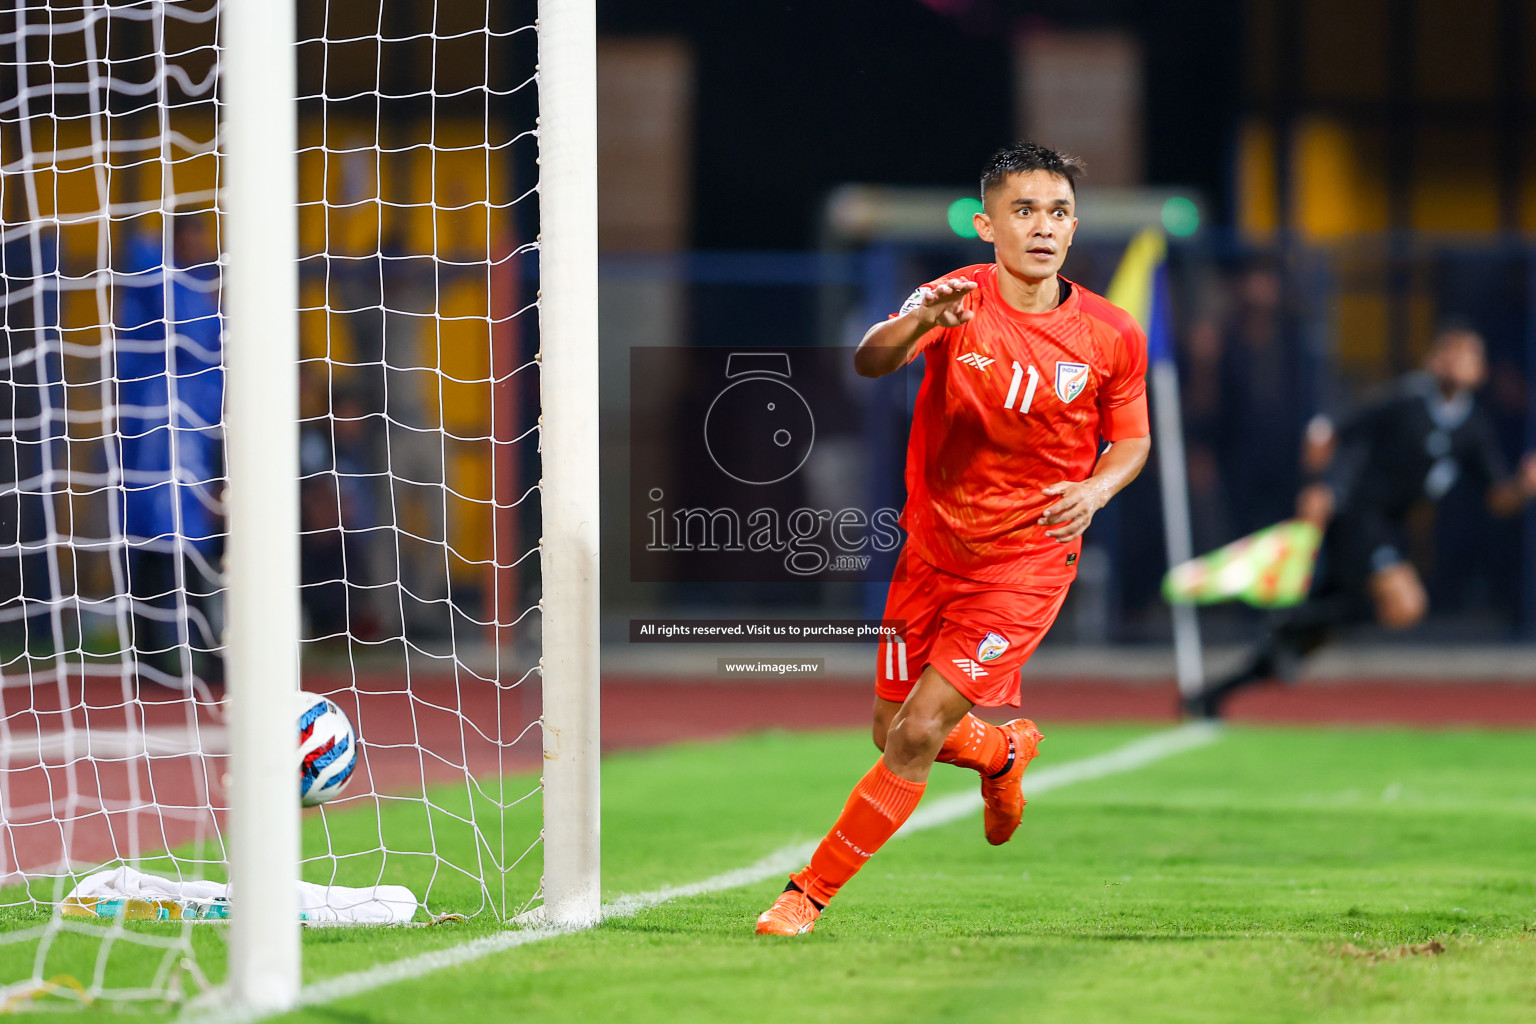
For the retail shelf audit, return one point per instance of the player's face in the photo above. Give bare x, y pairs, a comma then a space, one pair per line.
1459, 362
1030, 219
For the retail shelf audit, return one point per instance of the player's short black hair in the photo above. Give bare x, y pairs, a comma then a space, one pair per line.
1023, 157
1455, 325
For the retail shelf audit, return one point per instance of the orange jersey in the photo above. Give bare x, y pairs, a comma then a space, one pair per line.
1012, 402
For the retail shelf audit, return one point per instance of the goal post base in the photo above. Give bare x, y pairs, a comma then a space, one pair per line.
561, 919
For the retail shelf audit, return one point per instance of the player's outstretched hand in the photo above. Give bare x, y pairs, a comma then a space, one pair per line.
1072, 514
941, 303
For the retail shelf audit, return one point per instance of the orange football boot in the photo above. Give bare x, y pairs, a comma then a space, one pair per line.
793, 913
1002, 793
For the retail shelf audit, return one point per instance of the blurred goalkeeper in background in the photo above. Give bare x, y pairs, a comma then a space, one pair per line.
1369, 472
170, 397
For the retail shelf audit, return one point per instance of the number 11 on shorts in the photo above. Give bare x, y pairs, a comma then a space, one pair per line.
1029, 392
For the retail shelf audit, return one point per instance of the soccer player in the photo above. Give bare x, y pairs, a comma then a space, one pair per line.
1371, 470
1025, 373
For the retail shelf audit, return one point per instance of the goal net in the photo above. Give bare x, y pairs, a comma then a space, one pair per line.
419, 469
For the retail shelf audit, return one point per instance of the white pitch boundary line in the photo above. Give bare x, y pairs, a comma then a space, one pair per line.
35, 750
1133, 755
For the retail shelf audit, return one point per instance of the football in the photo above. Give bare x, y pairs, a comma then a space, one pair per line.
327, 749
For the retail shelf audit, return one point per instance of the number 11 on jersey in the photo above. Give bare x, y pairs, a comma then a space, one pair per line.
1029, 392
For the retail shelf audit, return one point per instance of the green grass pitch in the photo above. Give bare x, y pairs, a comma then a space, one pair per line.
1257, 879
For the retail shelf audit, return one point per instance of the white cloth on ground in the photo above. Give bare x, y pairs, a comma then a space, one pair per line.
323, 904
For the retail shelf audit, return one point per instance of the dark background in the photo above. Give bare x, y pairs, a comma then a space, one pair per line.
794, 98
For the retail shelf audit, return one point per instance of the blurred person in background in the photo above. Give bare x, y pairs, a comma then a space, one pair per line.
170, 398
342, 512
322, 556
1258, 428
1200, 400
29, 384
1368, 474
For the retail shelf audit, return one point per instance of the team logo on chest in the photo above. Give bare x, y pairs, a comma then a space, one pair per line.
1071, 379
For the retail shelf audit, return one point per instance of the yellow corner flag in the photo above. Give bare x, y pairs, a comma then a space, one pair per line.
1133, 288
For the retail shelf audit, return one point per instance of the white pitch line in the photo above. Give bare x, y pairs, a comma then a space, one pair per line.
1133, 755
53, 749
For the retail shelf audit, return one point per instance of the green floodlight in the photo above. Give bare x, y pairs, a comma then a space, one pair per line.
1181, 217
960, 213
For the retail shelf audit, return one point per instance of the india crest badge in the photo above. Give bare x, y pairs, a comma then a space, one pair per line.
991, 647
1071, 379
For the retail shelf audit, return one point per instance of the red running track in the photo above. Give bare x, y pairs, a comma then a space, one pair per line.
437, 729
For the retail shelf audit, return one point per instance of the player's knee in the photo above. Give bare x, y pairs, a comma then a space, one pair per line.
1403, 609
880, 721
901, 747
1401, 605
914, 736
1400, 598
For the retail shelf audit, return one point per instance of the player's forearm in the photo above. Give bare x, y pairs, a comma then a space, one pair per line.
887, 346
1118, 466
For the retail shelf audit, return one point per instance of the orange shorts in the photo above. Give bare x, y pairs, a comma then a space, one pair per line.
977, 635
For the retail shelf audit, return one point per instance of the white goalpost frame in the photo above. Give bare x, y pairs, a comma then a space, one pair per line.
568, 441
292, 206
260, 127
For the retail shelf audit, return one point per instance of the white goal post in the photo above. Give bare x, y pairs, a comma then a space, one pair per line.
569, 442
262, 445
267, 278
263, 499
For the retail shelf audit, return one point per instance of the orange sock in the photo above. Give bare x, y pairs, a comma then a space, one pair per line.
878, 806
977, 745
